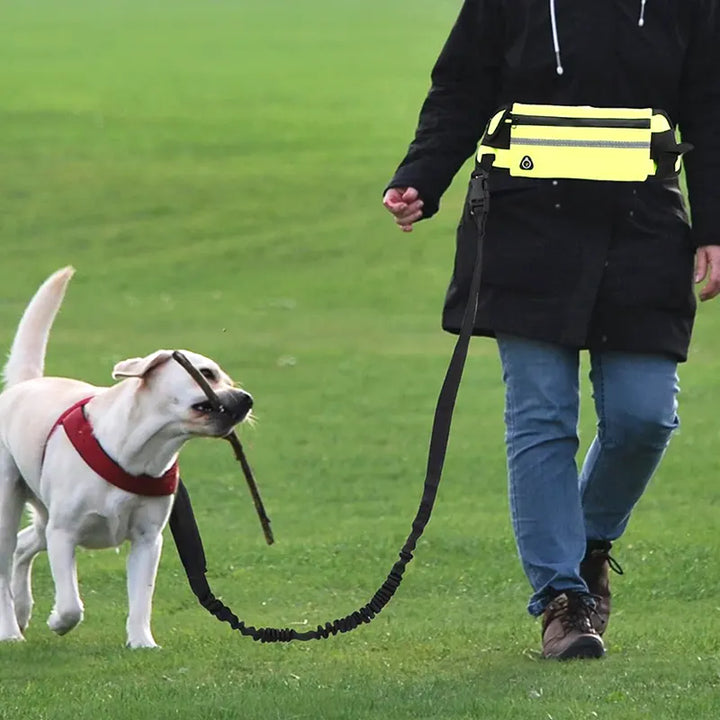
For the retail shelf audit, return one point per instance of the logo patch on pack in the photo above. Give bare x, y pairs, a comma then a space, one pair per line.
526, 163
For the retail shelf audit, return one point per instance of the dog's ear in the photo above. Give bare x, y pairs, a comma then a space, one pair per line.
139, 367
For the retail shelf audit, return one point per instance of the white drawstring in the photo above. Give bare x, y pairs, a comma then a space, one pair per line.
556, 43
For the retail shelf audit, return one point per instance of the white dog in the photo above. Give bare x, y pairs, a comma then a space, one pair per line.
136, 429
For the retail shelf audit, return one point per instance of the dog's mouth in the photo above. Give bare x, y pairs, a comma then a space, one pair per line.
207, 409
234, 407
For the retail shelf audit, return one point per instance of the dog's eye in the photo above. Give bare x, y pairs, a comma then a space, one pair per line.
208, 374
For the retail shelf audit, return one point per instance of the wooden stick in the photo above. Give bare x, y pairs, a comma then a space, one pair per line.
232, 438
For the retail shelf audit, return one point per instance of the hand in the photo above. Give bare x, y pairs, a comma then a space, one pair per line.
405, 205
707, 265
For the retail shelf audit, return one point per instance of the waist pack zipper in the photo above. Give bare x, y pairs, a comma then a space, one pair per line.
638, 123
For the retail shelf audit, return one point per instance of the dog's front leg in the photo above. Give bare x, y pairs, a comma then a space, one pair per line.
30, 542
68, 609
142, 565
11, 505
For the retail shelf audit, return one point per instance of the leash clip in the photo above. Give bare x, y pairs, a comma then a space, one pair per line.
479, 194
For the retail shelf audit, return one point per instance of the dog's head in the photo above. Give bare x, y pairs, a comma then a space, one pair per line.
174, 389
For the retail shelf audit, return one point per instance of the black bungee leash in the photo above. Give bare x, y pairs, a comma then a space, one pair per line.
182, 520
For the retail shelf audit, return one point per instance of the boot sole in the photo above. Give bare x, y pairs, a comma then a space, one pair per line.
587, 647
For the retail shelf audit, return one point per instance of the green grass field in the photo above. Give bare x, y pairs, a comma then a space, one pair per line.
213, 170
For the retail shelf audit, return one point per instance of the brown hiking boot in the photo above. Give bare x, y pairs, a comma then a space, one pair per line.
595, 571
567, 631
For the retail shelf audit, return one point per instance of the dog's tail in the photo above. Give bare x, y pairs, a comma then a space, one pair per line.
27, 355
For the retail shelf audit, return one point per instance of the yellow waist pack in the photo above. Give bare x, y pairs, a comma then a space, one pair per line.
582, 142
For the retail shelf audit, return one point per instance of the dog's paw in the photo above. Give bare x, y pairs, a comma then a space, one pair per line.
63, 622
9, 629
12, 637
138, 643
22, 615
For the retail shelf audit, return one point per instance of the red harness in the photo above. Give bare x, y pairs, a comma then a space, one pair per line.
80, 434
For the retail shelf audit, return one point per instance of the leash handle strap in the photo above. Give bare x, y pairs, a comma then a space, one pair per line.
187, 536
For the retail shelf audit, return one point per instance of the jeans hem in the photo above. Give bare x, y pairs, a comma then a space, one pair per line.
536, 606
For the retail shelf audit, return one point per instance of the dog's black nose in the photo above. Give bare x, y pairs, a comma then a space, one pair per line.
237, 402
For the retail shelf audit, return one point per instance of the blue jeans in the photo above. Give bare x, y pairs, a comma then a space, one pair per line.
555, 509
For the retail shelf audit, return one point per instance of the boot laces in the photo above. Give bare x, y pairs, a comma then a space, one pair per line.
601, 555
574, 615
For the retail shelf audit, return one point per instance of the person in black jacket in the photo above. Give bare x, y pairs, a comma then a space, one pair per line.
577, 264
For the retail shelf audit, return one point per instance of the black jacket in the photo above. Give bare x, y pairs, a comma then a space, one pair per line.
587, 264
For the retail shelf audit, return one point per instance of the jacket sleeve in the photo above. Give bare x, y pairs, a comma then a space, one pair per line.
461, 100
699, 123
